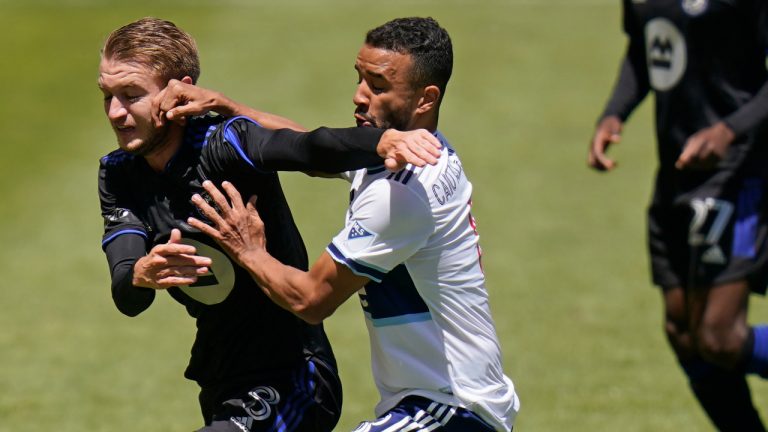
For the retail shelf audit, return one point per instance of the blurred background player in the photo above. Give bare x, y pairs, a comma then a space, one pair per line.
705, 61
259, 367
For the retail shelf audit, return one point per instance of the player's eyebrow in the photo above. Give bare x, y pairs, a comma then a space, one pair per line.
369, 72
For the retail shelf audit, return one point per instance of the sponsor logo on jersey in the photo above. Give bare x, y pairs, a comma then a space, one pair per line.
357, 231
666, 52
695, 7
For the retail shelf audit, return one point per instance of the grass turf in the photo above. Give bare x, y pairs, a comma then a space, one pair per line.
563, 247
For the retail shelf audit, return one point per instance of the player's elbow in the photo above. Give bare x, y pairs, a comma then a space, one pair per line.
131, 301
313, 310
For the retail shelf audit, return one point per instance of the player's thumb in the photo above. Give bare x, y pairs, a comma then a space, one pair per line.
175, 236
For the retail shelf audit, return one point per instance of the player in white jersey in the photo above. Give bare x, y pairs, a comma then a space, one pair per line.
409, 249
412, 234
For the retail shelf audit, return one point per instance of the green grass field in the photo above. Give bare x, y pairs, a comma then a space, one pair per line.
564, 247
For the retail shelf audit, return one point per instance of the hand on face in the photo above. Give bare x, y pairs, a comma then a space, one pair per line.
237, 228
181, 99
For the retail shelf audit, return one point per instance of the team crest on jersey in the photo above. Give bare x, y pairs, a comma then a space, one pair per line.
357, 231
215, 286
667, 53
695, 7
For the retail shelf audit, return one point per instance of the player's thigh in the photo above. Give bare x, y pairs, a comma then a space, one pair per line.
420, 414
723, 321
306, 400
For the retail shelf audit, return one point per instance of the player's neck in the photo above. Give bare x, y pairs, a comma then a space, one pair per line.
428, 122
158, 159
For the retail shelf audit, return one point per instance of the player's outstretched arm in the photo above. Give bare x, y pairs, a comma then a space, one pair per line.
170, 264
181, 99
312, 295
608, 132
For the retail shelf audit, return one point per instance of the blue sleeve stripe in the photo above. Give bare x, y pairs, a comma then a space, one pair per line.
119, 233
356, 267
234, 140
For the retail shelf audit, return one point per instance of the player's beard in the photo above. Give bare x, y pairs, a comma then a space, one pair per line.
395, 120
153, 142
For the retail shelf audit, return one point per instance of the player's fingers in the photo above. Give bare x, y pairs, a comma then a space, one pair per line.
689, 155
207, 211
167, 249
604, 163
178, 271
424, 155
217, 196
432, 144
157, 112
204, 227
188, 260
597, 157
175, 236
408, 156
173, 281
180, 112
393, 164
234, 195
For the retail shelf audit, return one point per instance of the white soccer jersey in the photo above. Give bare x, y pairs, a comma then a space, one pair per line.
426, 308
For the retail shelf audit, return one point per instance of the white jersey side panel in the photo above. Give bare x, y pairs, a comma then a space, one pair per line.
426, 308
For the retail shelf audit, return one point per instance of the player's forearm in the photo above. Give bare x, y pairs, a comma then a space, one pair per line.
630, 89
121, 256
751, 114
290, 288
129, 299
229, 108
322, 150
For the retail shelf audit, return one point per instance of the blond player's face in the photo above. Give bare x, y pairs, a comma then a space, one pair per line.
128, 90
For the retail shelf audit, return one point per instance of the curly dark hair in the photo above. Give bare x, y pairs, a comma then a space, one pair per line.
425, 41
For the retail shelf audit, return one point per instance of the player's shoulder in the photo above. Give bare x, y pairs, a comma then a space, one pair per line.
117, 161
235, 124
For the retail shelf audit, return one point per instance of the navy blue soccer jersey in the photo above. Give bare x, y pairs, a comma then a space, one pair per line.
240, 332
705, 61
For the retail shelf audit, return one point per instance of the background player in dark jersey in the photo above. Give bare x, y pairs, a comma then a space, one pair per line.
705, 62
258, 366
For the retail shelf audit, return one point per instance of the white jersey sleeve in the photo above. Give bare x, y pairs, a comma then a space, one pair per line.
387, 223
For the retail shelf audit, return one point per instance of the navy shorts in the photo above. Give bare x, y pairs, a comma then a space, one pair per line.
712, 239
416, 413
307, 400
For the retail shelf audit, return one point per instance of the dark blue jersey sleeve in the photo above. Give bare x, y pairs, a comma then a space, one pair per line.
754, 112
325, 149
632, 84
124, 239
122, 254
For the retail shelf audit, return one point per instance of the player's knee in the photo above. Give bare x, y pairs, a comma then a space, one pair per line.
723, 347
679, 339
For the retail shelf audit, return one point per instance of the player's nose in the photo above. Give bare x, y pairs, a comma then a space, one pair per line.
361, 97
116, 109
